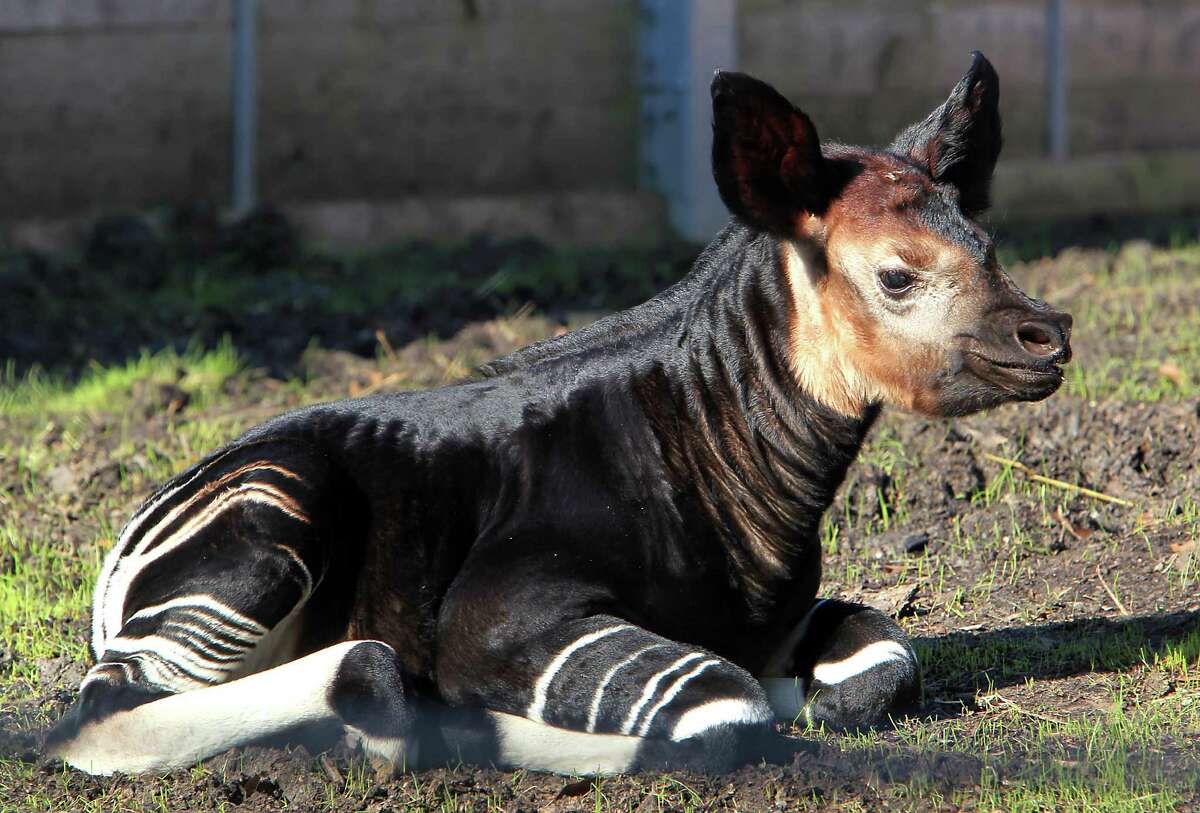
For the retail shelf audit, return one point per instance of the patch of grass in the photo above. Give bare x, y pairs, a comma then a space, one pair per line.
1137, 324
44, 590
196, 371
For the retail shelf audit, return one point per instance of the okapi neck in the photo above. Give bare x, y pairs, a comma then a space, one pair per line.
763, 456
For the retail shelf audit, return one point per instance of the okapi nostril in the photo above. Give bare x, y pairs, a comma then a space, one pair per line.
1038, 339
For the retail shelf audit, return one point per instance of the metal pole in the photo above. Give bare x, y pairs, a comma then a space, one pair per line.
1056, 80
245, 31
682, 41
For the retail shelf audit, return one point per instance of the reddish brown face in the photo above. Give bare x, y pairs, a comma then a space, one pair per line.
899, 298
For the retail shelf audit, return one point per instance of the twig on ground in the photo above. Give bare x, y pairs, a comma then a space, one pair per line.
1041, 478
388, 349
988, 700
1111, 593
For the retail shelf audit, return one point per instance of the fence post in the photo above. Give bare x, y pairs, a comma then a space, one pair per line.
1056, 80
245, 36
682, 43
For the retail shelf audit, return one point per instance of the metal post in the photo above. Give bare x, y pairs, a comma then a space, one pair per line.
682, 42
245, 36
1056, 80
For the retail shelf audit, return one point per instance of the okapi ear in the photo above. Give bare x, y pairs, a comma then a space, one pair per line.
959, 142
766, 156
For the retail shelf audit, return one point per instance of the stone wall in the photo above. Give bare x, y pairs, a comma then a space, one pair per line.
117, 104
126, 104
864, 68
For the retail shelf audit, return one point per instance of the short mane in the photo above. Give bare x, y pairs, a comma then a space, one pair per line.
623, 324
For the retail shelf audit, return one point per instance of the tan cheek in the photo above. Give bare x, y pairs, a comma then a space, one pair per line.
898, 368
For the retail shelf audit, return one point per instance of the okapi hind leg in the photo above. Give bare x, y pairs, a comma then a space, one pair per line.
211, 581
356, 686
847, 667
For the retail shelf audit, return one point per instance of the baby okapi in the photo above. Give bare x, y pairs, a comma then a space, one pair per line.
602, 556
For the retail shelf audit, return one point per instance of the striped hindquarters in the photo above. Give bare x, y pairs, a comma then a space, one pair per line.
206, 568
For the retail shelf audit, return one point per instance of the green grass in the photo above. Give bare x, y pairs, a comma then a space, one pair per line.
198, 372
1130, 320
1137, 326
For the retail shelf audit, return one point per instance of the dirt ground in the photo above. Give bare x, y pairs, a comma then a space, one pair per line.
1059, 629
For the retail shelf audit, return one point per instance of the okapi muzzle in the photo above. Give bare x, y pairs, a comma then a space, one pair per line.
604, 555
1014, 354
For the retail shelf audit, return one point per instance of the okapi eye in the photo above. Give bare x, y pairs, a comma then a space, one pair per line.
895, 281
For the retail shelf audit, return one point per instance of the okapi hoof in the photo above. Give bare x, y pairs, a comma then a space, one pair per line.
371, 695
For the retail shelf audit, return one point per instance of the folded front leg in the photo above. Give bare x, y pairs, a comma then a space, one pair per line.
601, 695
845, 666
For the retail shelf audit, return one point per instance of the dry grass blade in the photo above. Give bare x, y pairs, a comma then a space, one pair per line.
1111, 593
1041, 478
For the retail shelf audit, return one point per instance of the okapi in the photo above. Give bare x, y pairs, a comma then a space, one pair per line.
602, 555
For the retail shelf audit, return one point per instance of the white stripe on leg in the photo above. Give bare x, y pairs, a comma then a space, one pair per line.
598, 697
729, 711
652, 687
671, 694
541, 747
866, 658
182, 729
534, 712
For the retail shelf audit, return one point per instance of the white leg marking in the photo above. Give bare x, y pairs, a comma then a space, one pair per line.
786, 696
594, 711
780, 659
730, 711
534, 712
528, 744
671, 693
184, 728
866, 658
652, 687
395, 751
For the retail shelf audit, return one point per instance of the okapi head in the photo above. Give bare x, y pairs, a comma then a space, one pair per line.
898, 297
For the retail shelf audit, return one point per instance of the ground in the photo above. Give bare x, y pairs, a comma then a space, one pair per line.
1045, 558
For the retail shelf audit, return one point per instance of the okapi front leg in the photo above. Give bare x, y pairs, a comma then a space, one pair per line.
845, 666
600, 695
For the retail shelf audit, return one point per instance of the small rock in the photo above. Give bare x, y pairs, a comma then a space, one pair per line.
59, 671
915, 542
900, 541
62, 480
892, 601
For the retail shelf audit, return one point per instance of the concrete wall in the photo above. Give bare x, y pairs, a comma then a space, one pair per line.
865, 68
126, 103
115, 104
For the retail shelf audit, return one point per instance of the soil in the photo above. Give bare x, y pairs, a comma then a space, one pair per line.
1069, 568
